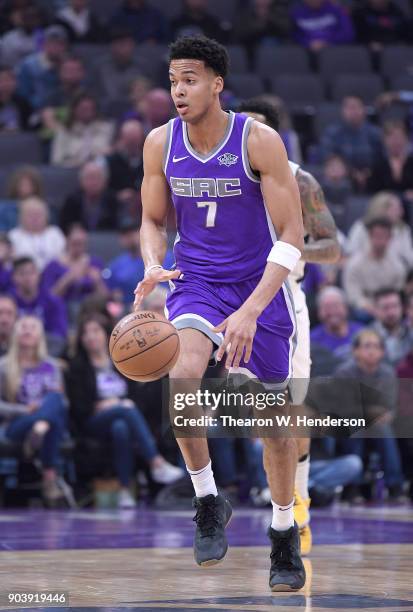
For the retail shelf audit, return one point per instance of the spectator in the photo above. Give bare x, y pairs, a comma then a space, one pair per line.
394, 171
32, 300
286, 129
93, 205
336, 331
6, 263
394, 331
335, 181
85, 136
38, 73
408, 289
116, 72
14, 110
378, 384
11, 14
156, 109
138, 89
81, 24
34, 237
373, 269
146, 22
354, 138
25, 39
320, 23
384, 204
195, 20
379, 23
33, 402
72, 77
128, 268
125, 165
76, 273
262, 22
8, 318
103, 406
24, 182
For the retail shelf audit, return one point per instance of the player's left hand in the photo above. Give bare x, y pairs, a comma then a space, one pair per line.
239, 330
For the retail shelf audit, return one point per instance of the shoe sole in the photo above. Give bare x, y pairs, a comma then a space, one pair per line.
212, 562
284, 587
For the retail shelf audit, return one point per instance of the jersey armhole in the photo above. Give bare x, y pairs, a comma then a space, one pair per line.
251, 174
168, 144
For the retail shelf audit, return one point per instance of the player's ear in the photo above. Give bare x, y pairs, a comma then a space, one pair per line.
219, 84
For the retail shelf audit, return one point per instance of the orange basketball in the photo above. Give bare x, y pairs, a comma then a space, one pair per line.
144, 346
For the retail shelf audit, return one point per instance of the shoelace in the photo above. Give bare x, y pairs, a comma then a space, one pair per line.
206, 519
282, 553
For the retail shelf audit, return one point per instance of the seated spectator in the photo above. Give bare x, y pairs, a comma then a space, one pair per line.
14, 110
125, 165
394, 331
34, 406
32, 300
156, 109
6, 263
262, 22
81, 24
195, 20
8, 318
85, 136
379, 382
373, 269
379, 23
76, 274
336, 331
25, 182
25, 39
147, 23
335, 181
384, 204
34, 237
11, 14
38, 73
138, 89
116, 71
124, 272
286, 128
319, 23
93, 205
103, 406
394, 171
355, 139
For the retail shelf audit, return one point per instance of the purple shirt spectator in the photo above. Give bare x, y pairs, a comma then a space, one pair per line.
318, 23
36, 382
79, 288
46, 307
321, 336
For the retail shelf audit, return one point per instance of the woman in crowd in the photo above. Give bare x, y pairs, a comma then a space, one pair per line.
102, 406
34, 237
33, 404
24, 183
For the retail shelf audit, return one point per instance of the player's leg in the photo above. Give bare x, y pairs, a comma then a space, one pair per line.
212, 510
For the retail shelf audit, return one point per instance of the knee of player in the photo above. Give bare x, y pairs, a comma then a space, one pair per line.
188, 366
279, 444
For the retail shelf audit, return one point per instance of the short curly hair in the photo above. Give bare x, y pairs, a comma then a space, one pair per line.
261, 107
201, 48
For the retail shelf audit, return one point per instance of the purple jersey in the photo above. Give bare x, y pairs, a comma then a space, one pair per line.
224, 230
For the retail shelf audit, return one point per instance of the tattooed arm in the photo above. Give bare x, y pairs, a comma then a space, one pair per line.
323, 246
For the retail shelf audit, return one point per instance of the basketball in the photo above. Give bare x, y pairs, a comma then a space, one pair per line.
144, 346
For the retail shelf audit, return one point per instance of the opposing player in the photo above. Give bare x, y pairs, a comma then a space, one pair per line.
321, 247
240, 232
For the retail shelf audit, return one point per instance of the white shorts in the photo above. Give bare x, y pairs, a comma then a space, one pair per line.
301, 363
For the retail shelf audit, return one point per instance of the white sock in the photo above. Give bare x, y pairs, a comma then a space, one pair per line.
301, 477
203, 481
282, 516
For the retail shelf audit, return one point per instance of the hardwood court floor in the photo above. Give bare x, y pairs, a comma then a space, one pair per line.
142, 559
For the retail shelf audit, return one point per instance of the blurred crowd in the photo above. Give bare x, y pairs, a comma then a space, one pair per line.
86, 85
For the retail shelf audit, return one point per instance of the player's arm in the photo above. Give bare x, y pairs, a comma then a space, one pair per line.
267, 156
155, 207
318, 221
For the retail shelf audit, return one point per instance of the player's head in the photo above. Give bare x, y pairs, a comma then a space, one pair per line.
197, 69
263, 111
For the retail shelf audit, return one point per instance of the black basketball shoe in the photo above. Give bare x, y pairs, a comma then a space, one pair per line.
212, 516
287, 571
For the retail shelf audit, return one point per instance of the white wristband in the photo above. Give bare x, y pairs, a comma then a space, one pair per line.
284, 254
147, 270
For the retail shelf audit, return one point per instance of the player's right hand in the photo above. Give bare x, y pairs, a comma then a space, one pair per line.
149, 282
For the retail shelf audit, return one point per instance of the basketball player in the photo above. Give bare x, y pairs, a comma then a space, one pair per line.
321, 247
240, 232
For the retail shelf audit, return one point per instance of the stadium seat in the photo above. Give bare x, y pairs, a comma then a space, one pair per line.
238, 59
225, 10
327, 113
58, 184
20, 148
153, 57
91, 54
356, 207
367, 86
104, 245
288, 59
245, 85
401, 82
301, 93
397, 59
344, 59
170, 8
105, 8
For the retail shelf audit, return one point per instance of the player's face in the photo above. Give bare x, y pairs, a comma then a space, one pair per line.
194, 88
